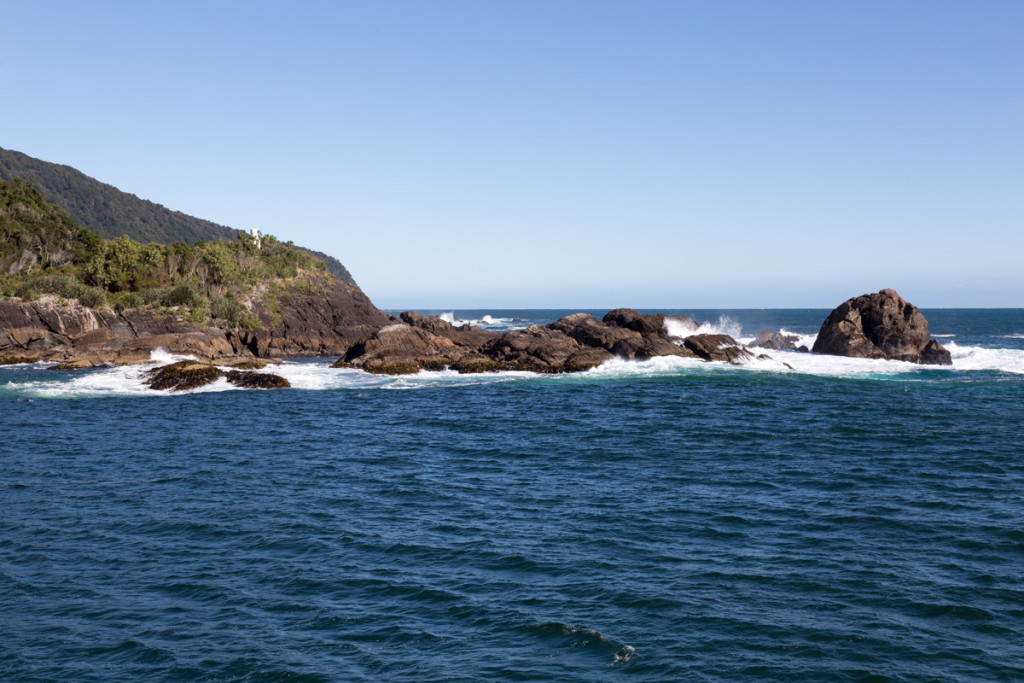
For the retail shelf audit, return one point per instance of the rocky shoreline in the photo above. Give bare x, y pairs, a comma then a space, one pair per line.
341, 322
571, 344
312, 317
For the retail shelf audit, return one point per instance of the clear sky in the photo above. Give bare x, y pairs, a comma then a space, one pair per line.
554, 153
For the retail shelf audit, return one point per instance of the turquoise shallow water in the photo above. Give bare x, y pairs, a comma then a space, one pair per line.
844, 520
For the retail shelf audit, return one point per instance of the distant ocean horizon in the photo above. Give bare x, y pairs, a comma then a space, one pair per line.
799, 518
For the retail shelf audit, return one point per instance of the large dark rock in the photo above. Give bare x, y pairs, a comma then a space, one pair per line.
401, 349
651, 326
880, 325
647, 325
542, 348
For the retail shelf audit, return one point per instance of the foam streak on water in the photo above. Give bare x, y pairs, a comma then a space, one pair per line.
317, 375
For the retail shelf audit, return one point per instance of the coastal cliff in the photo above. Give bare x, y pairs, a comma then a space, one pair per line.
314, 315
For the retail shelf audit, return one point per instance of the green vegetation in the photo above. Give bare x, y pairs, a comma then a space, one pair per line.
111, 213
43, 252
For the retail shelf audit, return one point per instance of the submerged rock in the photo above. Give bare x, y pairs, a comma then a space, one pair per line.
186, 374
182, 375
256, 380
73, 365
881, 325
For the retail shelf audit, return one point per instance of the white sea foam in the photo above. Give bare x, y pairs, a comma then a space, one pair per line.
624, 654
822, 365
981, 358
678, 328
160, 356
442, 378
484, 321
319, 376
620, 368
801, 339
774, 361
116, 381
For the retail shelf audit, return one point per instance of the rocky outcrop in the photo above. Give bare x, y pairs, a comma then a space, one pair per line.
256, 380
880, 325
766, 339
573, 343
655, 338
51, 330
186, 375
182, 376
720, 347
541, 348
312, 316
400, 348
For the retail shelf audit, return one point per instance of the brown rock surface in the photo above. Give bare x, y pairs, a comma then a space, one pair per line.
313, 316
588, 331
880, 325
766, 339
720, 347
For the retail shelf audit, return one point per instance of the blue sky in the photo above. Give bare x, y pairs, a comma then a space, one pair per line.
559, 154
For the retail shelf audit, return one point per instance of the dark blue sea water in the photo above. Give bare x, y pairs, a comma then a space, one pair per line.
846, 520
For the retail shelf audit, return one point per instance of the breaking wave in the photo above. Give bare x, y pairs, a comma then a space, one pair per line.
494, 323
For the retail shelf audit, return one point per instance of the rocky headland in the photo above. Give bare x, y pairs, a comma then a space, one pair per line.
315, 315
70, 297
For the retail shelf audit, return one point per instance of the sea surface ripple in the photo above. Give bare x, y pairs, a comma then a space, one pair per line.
699, 523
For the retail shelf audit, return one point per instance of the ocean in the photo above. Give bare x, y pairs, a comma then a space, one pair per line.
800, 518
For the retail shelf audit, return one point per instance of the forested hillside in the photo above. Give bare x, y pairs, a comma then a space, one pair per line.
42, 251
110, 213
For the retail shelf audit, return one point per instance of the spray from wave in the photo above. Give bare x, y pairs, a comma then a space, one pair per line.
981, 358
485, 321
681, 328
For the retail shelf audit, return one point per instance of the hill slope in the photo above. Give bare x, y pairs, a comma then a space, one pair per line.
35, 233
68, 295
110, 213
